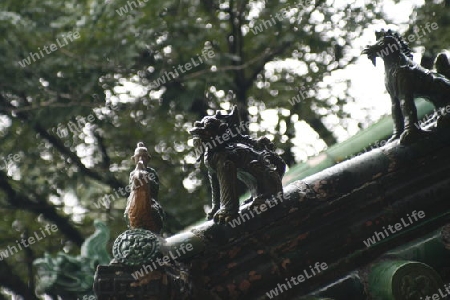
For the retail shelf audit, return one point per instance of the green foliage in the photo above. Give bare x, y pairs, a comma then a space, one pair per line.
106, 75
435, 40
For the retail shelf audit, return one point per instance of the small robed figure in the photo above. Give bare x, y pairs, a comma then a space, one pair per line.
143, 210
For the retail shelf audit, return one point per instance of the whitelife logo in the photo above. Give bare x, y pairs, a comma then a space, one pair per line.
11, 250
183, 248
441, 294
437, 113
282, 14
219, 140
49, 48
5, 162
411, 38
107, 199
247, 216
378, 236
131, 5
281, 287
206, 55
301, 95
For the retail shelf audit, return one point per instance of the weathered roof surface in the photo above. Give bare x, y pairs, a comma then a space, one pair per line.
364, 141
325, 219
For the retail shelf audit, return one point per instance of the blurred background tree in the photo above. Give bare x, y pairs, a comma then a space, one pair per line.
72, 117
433, 42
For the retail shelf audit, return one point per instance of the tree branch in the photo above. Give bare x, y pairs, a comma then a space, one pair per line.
106, 160
59, 145
20, 201
269, 55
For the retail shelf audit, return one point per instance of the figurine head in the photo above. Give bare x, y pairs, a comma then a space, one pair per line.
141, 154
211, 126
388, 43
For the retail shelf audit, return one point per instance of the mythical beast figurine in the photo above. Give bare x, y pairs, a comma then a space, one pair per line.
405, 80
229, 156
71, 277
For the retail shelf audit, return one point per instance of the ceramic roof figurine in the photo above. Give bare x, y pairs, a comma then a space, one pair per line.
143, 211
405, 81
230, 156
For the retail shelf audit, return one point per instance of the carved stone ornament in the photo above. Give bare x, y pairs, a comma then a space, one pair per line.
144, 215
230, 156
136, 247
406, 80
143, 211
